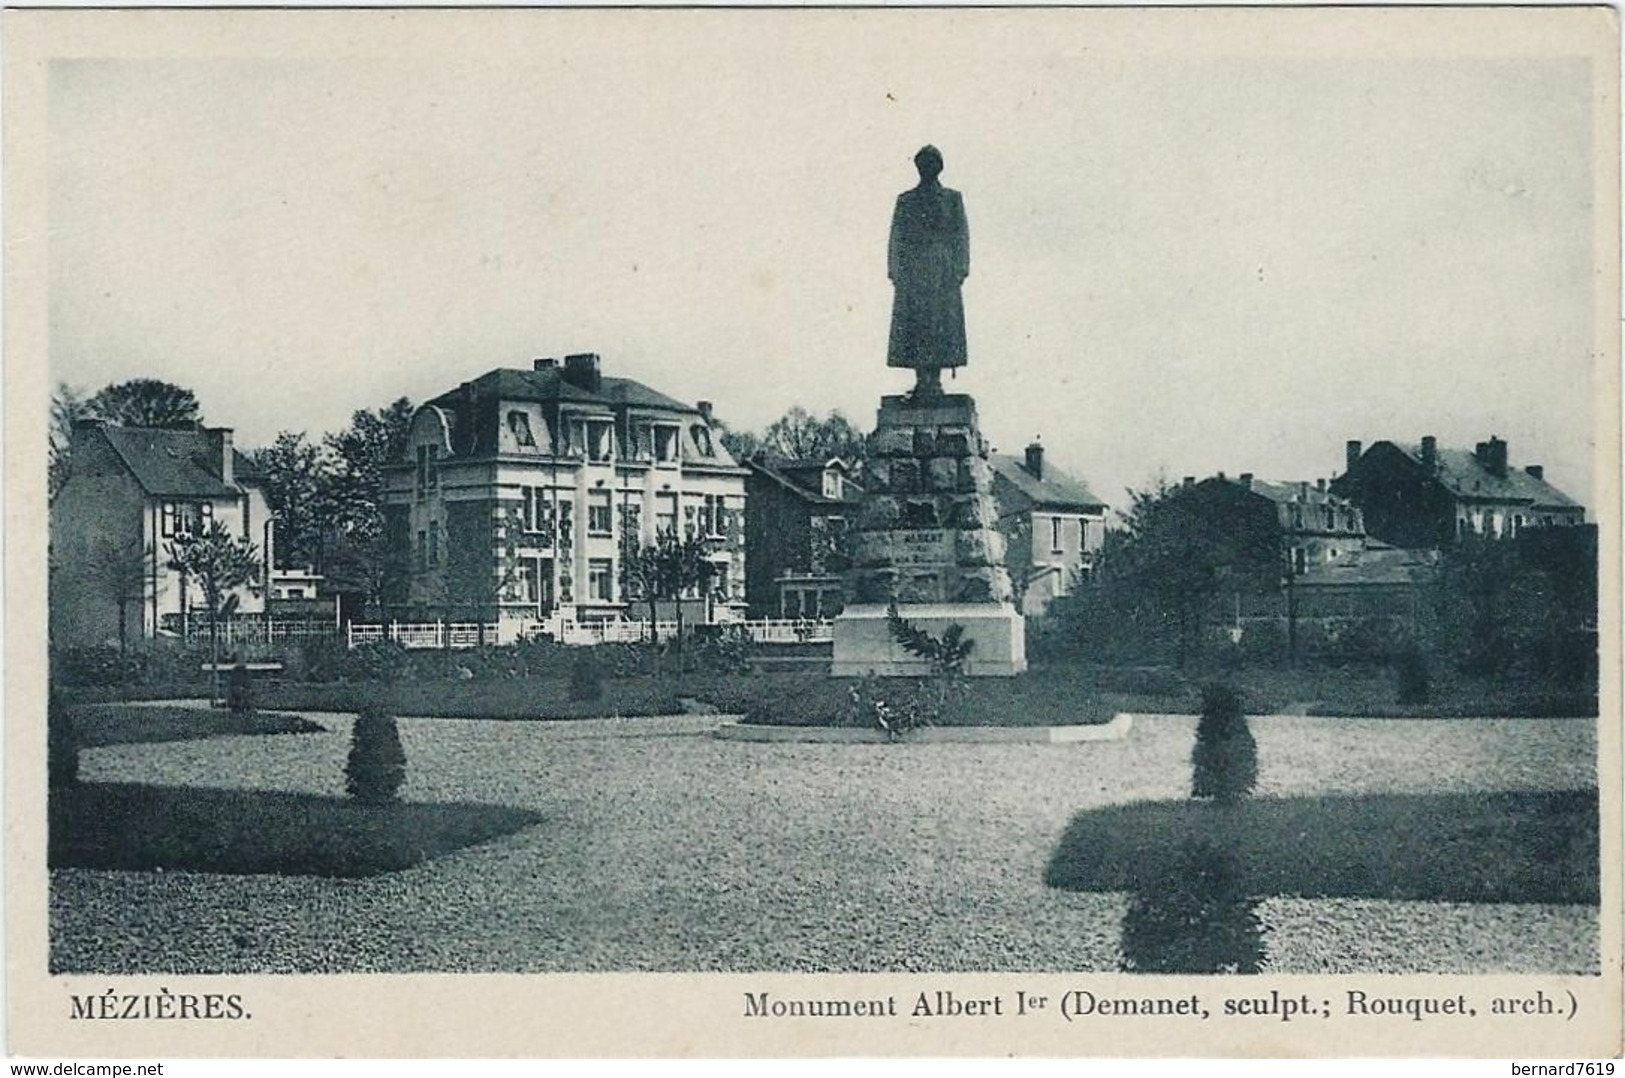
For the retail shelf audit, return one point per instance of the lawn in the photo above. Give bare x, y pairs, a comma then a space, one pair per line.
1050, 693
142, 828
1439, 847
661, 848
114, 725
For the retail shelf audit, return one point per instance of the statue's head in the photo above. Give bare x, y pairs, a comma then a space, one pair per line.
929, 162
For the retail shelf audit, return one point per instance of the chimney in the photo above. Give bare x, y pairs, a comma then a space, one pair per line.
1189, 481
544, 363
1536, 471
220, 453
1320, 484
581, 371
1247, 480
1430, 452
1496, 452
88, 423
1035, 458
706, 411
1351, 455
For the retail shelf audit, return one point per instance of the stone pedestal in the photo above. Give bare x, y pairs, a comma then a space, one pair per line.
864, 644
926, 538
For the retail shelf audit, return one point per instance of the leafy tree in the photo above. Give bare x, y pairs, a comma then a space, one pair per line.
742, 444
676, 565
121, 571
220, 563
641, 577
1162, 574
68, 406
296, 478
353, 496
1522, 606
147, 402
800, 435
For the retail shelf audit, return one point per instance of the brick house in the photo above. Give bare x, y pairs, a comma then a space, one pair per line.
1053, 526
129, 493
518, 494
1427, 496
795, 549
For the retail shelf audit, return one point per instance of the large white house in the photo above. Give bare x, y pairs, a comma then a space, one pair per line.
519, 493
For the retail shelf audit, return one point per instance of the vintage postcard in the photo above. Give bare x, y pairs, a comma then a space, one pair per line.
815, 532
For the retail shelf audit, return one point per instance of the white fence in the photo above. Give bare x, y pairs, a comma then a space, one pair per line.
236, 631
433, 634
789, 631
437, 634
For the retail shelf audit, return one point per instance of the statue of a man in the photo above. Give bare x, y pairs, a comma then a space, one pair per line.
927, 260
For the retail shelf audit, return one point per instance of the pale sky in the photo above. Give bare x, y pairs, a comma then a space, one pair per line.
1177, 265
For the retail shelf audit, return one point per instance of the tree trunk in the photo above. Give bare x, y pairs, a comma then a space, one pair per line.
681, 658
214, 652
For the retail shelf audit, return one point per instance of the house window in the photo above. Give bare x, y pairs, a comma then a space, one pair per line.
423, 551
1055, 537
711, 516
702, 440
184, 518
598, 440
665, 513
1300, 560
296, 593
533, 580
434, 542
665, 444
832, 483
1517, 523
519, 427
601, 579
598, 513
428, 475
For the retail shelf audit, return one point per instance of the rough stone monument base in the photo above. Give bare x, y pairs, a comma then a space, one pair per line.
864, 644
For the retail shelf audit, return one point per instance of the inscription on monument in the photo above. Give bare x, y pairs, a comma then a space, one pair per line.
922, 546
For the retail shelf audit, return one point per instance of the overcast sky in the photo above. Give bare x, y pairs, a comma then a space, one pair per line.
1177, 266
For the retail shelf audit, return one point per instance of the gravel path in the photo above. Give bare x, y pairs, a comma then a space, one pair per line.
664, 849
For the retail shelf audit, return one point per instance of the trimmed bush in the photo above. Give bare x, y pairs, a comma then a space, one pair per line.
240, 691
62, 744
1412, 678
1225, 758
586, 677
376, 768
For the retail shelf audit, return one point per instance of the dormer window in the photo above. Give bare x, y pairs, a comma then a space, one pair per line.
519, 427
702, 440
665, 439
832, 483
599, 441
428, 474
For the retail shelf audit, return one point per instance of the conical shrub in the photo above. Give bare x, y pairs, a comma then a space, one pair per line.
1412, 679
1225, 759
62, 744
376, 768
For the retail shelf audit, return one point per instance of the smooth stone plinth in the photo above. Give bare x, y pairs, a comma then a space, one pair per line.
864, 644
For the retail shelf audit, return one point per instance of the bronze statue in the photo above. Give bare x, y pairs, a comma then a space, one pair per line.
927, 260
